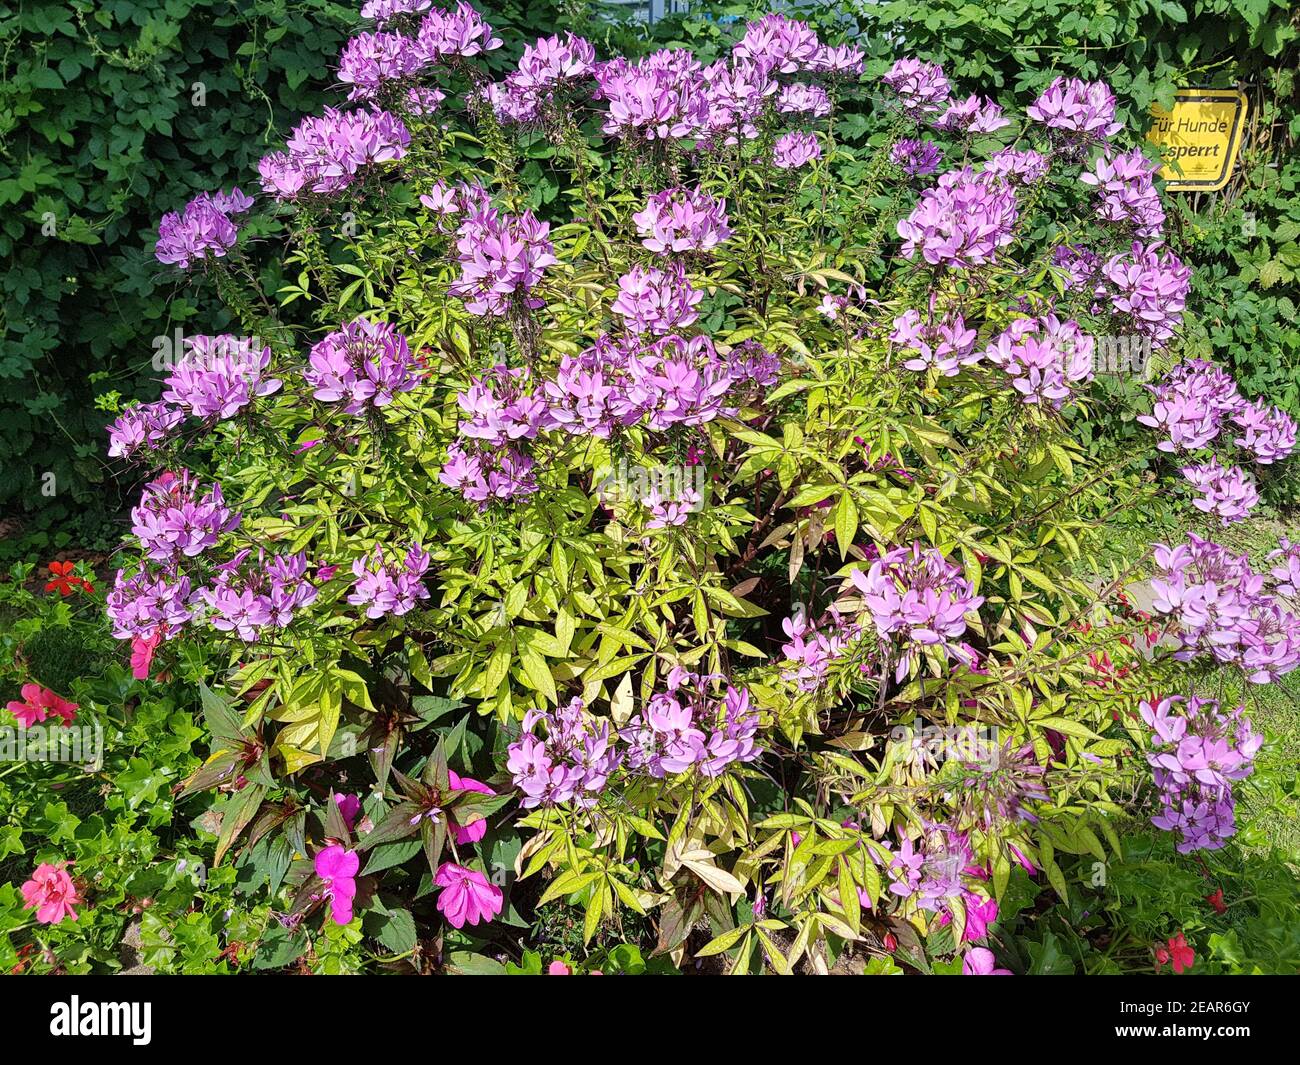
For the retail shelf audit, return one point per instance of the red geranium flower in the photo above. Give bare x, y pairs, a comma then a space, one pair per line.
1216, 900
64, 581
1179, 951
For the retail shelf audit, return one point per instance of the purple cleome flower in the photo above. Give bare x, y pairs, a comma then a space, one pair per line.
920, 89
962, 222
682, 220
916, 595
218, 376
204, 229
916, 158
1197, 753
142, 427
389, 586
364, 365
1045, 358
172, 521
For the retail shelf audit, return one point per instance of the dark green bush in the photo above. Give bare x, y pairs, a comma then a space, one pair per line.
110, 114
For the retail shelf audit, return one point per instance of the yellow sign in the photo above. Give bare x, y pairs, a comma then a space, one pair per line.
1200, 137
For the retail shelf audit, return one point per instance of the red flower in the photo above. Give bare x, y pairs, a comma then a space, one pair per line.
1216, 900
64, 581
38, 704
1183, 955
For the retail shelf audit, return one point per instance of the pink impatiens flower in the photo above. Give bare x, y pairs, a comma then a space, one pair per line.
475, 830
349, 807
38, 704
467, 897
979, 961
338, 868
51, 893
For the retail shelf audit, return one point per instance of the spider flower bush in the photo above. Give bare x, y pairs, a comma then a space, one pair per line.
701, 548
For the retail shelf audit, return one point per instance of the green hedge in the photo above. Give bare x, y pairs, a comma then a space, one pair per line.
110, 114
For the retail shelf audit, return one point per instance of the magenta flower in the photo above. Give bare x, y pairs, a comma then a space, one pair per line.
979, 961
338, 869
386, 12
1045, 358
962, 222
1269, 433
204, 229
920, 88
455, 33
941, 341
917, 595
173, 521
1126, 194
1147, 290
369, 60
1227, 493
783, 45
916, 158
326, 154
800, 99
218, 376
144, 604
51, 893
1077, 114
349, 808
972, 115
475, 830
391, 586
143, 649
501, 255
981, 912
467, 897
1013, 167
142, 427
